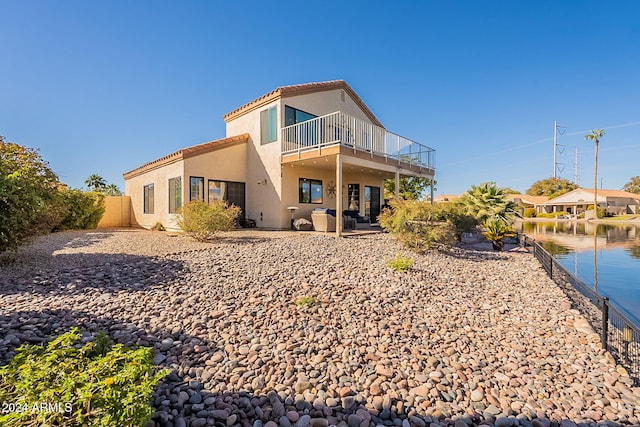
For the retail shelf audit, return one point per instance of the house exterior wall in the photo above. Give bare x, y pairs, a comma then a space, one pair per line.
290, 192
322, 103
224, 164
262, 163
159, 177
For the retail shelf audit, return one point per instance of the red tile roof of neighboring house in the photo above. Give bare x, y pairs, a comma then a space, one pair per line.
185, 153
613, 193
302, 89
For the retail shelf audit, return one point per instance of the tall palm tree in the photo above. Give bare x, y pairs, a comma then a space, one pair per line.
95, 182
595, 135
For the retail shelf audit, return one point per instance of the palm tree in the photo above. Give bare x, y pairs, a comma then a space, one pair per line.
595, 135
112, 190
487, 200
95, 182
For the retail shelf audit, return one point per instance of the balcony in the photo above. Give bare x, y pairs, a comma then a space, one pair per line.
339, 129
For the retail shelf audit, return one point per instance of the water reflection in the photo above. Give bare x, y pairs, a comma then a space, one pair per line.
606, 256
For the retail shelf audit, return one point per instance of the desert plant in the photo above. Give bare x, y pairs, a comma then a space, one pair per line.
400, 263
305, 301
27, 187
418, 225
95, 384
203, 221
158, 227
497, 230
529, 213
487, 200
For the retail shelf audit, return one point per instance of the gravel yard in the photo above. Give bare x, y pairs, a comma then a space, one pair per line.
466, 337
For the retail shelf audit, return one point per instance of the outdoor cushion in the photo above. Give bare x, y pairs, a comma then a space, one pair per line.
355, 215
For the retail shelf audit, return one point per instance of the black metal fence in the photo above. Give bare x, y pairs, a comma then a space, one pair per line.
619, 334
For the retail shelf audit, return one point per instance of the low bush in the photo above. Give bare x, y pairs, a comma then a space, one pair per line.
551, 214
158, 227
95, 384
400, 263
422, 225
305, 301
529, 213
203, 221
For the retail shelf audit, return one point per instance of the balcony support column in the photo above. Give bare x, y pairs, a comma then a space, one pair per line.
338, 195
396, 193
432, 181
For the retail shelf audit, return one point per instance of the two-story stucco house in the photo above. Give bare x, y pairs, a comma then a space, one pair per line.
304, 146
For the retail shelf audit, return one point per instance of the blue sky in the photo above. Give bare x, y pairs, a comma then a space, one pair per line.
105, 86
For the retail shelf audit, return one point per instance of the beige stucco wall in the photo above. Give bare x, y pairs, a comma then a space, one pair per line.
262, 163
117, 212
322, 103
134, 187
225, 164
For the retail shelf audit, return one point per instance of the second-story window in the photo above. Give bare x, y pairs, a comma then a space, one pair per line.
269, 125
293, 116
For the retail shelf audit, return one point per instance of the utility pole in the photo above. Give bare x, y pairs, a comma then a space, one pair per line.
556, 149
575, 168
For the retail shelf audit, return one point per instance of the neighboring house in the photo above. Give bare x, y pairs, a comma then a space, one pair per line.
526, 201
303, 146
441, 198
575, 202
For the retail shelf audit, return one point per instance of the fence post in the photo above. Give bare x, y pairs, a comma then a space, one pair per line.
605, 323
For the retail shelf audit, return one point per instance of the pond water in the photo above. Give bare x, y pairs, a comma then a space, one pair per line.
608, 260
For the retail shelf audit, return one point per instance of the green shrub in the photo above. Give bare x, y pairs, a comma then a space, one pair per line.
601, 211
27, 188
202, 221
551, 214
81, 210
305, 301
420, 225
529, 213
158, 227
400, 263
96, 384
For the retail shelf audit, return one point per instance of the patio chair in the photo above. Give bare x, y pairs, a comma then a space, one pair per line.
323, 220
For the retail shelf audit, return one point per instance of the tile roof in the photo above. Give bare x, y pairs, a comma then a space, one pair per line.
302, 89
528, 198
185, 153
613, 193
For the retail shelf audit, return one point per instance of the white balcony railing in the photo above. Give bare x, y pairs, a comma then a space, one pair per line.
340, 128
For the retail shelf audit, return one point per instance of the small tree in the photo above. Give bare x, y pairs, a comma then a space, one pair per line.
411, 188
27, 187
551, 187
203, 221
633, 186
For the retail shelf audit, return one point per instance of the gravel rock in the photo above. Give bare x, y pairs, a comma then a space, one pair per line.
467, 334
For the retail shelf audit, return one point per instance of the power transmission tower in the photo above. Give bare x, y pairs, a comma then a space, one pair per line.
557, 148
